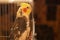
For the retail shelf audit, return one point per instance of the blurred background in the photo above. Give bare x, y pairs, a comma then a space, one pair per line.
46, 14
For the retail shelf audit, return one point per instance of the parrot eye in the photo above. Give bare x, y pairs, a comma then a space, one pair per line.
27, 7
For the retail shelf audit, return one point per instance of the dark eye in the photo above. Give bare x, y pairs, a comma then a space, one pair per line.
27, 7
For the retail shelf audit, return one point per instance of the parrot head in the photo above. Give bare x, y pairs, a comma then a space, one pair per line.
24, 9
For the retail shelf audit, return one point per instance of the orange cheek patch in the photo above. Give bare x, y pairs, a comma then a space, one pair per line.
25, 10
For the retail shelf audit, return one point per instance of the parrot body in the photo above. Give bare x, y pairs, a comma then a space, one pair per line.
21, 28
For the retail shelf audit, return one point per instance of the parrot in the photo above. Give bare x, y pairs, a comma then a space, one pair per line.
21, 27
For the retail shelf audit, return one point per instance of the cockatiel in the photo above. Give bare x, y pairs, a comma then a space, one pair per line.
21, 28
